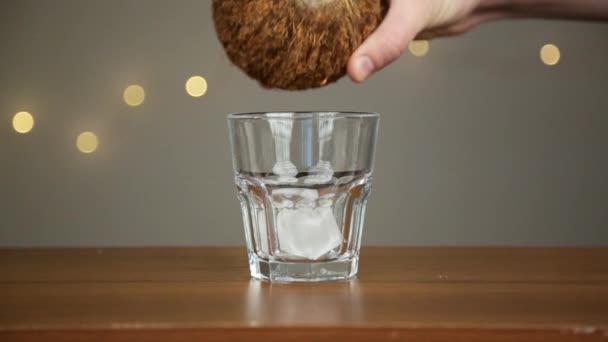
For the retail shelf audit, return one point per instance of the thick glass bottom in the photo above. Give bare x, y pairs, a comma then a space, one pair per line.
309, 271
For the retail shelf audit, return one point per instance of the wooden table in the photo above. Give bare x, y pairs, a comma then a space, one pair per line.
205, 294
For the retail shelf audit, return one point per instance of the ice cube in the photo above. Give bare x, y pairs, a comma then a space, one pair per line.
284, 172
282, 201
308, 232
285, 169
326, 200
294, 197
321, 173
279, 180
310, 194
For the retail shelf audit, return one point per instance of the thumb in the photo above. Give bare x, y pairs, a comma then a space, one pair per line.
402, 23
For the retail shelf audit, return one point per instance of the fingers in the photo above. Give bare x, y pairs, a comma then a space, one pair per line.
402, 23
462, 26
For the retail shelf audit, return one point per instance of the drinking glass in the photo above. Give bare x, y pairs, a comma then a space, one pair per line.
303, 180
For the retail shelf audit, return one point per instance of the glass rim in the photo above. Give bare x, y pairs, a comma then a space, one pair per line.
301, 115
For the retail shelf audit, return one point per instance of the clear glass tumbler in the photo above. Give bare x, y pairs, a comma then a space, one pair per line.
303, 180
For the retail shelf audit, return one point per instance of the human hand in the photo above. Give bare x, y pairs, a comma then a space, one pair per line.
410, 19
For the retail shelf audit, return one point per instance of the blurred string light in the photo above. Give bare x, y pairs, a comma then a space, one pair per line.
23, 122
134, 95
87, 142
196, 86
550, 54
419, 48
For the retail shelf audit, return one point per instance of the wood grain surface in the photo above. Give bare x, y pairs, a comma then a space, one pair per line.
426, 294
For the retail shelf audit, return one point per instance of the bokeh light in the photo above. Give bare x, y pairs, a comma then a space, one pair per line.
550, 54
419, 48
196, 86
134, 95
23, 122
87, 142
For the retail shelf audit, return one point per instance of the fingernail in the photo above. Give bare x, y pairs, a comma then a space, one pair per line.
365, 66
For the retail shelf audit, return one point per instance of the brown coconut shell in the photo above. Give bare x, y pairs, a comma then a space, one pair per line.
295, 44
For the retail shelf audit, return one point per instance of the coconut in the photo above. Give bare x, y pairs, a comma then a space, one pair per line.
295, 44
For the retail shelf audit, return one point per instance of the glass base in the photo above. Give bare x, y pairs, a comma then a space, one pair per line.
309, 271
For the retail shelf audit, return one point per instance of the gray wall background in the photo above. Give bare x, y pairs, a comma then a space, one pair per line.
480, 144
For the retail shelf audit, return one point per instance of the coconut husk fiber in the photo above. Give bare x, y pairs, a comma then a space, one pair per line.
295, 44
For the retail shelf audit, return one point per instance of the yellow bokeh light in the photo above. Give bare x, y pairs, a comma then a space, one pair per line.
87, 142
550, 54
134, 95
419, 48
23, 122
196, 86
